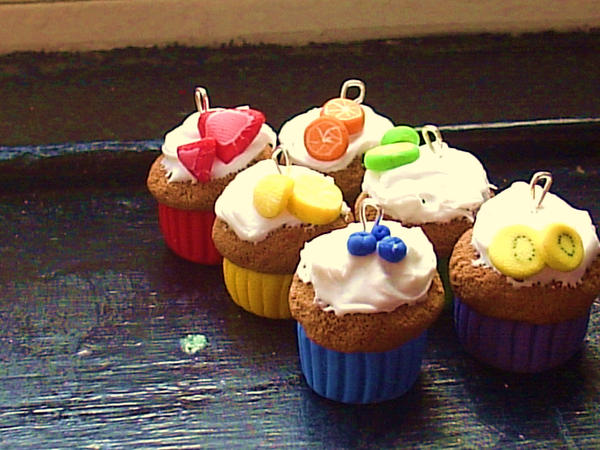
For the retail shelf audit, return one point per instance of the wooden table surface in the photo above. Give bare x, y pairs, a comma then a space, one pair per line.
93, 306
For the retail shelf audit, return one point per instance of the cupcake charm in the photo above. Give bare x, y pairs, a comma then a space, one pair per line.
332, 138
525, 278
199, 158
363, 298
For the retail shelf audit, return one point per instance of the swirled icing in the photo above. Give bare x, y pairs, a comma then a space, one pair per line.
437, 187
291, 137
344, 283
515, 205
188, 132
235, 205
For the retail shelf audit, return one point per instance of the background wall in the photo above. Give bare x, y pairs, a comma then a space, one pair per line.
106, 24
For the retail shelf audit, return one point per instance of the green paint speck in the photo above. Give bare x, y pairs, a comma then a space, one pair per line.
193, 343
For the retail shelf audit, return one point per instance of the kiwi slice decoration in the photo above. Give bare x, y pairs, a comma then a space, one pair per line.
562, 247
516, 251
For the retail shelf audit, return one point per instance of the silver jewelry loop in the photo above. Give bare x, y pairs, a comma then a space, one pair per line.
357, 84
425, 131
364, 204
280, 151
535, 179
201, 97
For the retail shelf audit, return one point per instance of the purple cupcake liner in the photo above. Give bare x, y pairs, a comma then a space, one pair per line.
517, 346
360, 377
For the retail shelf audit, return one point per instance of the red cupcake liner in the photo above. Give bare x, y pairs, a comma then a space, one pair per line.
189, 234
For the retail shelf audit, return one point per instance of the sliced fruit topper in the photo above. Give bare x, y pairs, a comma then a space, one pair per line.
347, 110
390, 156
400, 133
516, 251
562, 247
271, 194
326, 138
315, 200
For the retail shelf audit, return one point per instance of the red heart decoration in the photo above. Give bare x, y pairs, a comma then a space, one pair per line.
198, 157
233, 129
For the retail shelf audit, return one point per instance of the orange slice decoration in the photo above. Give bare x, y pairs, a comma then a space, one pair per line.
346, 110
326, 138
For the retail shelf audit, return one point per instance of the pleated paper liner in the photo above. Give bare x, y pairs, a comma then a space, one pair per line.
517, 346
188, 234
263, 294
360, 377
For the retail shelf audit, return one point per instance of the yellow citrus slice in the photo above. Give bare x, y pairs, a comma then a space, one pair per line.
562, 247
515, 251
326, 138
315, 200
271, 194
347, 111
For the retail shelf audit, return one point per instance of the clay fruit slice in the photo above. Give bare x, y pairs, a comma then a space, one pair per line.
390, 156
271, 194
347, 111
198, 157
315, 200
233, 129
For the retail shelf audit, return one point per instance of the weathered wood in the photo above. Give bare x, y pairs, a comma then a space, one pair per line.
92, 308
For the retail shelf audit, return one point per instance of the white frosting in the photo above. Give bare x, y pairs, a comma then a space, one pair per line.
291, 137
437, 187
515, 206
235, 205
344, 283
188, 132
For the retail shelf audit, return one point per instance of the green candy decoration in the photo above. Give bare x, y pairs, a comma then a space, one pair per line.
401, 133
390, 156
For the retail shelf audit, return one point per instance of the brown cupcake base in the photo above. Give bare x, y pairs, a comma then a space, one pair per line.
490, 293
378, 332
187, 194
278, 252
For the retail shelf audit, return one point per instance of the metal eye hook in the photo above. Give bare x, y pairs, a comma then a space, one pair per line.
535, 179
425, 131
364, 204
357, 84
280, 151
201, 97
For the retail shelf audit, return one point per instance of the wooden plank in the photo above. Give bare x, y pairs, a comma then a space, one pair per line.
93, 306
108, 24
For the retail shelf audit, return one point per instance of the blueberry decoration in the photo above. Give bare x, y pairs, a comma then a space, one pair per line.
392, 249
361, 243
380, 231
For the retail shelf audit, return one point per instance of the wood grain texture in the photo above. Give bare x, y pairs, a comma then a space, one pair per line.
92, 307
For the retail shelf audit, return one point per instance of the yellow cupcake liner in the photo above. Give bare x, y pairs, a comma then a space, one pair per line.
263, 294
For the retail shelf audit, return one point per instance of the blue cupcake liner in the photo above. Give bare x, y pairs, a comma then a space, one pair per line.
517, 346
360, 377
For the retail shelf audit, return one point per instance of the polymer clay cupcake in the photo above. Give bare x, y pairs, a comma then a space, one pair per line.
333, 137
199, 157
364, 297
264, 216
524, 279
433, 186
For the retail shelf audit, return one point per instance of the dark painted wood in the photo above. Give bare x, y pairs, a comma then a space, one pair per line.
93, 306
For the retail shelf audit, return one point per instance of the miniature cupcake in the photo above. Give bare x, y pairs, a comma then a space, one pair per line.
524, 279
434, 186
199, 158
332, 138
264, 216
363, 301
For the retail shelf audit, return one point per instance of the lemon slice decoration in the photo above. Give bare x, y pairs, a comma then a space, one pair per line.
271, 194
315, 200
516, 251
